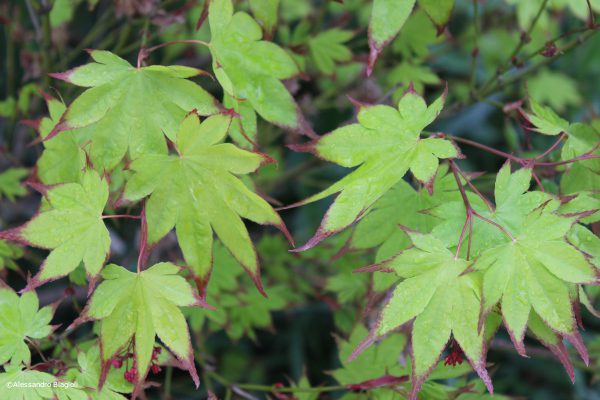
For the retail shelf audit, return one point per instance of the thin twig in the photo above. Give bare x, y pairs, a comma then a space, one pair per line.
143, 240
121, 216
475, 51
525, 36
34, 20
470, 213
551, 148
529, 162
145, 52
517, 77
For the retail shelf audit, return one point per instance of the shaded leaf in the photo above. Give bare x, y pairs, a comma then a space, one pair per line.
250, 68
21, 320
327, 48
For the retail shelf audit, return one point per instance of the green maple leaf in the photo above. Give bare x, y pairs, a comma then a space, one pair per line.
21, 320
552, 341
89, 372
418, 34
8, 254
25, 384
63, 159
375, 361
526, 260
140, 306
10, 183
513, 204
265, 12
545, 119
583, 138
535, 268
327, 48
250, 69
544, 85
241, 311
36, 392
387, 18
406, 73
536, 271
130, 108
70, 225
442, 301
384, 145
379, 228
197, 191
438, 10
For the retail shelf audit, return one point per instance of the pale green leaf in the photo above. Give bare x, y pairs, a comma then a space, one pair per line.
545, 120
438, 10
21, 320
387, 18
143, 305
265, 12
250, 68
327, 48
384, 145
198, 192
10, 183
130, 109
71, 227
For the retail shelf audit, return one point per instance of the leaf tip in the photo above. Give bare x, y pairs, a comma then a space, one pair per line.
362, 346
374, 52
479, 367
577, 341
63, 76
313, 241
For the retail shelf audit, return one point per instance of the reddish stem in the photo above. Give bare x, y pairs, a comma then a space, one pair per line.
121, 216
549, 150
481, 196
143, 239
145, 52
486, 148
531, 162
585, 156
538, 181
470, 211
461, 238
497, 225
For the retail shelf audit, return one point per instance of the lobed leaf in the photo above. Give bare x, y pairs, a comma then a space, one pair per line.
71, 227
384, 145
387, 18
251, 69
21, 319
198, 192
128, 109
138, 307
442, 301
